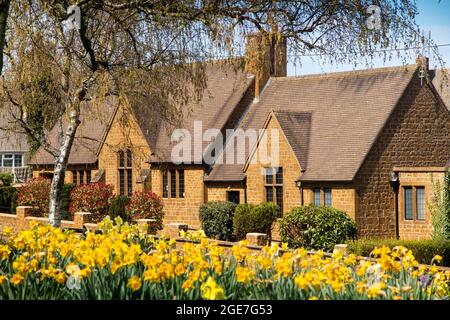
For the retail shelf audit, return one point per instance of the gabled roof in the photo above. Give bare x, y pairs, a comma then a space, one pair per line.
441, 81
346, 111
226, 86
11, 137
89, 136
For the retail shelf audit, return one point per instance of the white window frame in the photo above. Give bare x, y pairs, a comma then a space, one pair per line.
12, 157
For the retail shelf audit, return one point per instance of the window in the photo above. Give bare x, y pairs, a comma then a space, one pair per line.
273, 178
81, 173
181, 183
327, 192
81, 177
317, 201
8, 160
173, 183
420, 203
414, 203
165, 185
11, 160
17, 160
126, 172
233, 196
408, 203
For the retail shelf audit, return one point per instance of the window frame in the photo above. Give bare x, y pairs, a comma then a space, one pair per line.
173, 186
125, 169
422, 205
273, 183
414, 205
11, 156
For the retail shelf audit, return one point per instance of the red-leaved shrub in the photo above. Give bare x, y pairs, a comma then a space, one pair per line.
145, 205
35, 193
94, 198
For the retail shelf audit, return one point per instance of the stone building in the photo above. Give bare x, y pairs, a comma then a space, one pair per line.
367, 142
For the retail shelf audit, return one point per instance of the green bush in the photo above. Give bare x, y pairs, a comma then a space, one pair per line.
217, 219
250, 218
316, 227
117, 207
6, 178
423, 250
8, 199
65, 213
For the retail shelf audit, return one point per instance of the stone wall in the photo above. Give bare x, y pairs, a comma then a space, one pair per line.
217, 191
23, 217
413, 177
416, 135
291, 172
123, 134
342, 197
182, 210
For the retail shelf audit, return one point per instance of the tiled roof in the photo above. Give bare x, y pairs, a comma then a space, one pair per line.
89, 135
225, 89
11, 137
441, 81
338, 114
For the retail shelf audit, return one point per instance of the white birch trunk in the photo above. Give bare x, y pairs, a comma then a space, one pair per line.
60, 171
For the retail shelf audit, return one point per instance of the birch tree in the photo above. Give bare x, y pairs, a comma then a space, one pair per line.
148, 52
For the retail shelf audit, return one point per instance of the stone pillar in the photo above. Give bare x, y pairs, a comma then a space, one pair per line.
341, 247
149, 223
172, 230
257, 239
24, 211
80, 218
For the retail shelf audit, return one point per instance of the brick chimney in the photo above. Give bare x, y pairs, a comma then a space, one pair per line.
265, 57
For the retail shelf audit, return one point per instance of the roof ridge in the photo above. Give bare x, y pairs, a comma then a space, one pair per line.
407, 67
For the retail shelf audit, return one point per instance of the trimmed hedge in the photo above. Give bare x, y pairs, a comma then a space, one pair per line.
8, 199
250, 218
217, 219
423, 250
316, 227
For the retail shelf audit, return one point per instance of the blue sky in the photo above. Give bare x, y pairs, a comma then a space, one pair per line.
433, 16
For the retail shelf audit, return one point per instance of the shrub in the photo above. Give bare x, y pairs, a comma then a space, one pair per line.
145, 205
8, 199
35, 193
117, 207
316, 227
66, 191
423, 250
250, 218
6, 178
94, 198
439, 206
217, 219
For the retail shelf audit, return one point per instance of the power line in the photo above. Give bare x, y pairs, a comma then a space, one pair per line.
376, 51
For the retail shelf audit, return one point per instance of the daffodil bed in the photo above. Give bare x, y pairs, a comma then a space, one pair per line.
124, 263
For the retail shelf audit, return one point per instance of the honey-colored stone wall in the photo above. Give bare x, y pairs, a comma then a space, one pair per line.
291, 172
124, 133
416, 135
417, 229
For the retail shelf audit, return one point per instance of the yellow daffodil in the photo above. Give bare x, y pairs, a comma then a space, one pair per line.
211, 290
134, 283
16, 279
